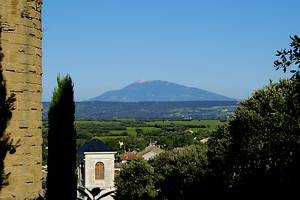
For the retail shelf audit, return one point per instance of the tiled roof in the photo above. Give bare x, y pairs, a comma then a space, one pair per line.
129, 156
153, 149
95, 145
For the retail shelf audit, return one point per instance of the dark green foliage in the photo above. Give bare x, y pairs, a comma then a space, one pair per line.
289, 58
178, 174
181, 173
135, 181
45, 147
6, 107
61, 179
256, 153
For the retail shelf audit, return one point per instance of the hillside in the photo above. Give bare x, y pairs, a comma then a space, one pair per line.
159, 91
183, 109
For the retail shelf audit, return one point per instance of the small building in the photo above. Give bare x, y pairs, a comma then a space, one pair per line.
126, 156
151, 151
96, 166
204, 140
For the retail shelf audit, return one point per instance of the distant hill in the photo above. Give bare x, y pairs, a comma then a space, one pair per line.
159, 91
179, 109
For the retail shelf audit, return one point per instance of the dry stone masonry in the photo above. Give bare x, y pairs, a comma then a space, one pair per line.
21, 41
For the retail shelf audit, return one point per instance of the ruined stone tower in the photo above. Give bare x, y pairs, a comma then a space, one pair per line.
21, 41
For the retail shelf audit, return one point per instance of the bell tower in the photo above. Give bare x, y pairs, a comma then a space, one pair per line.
21, 42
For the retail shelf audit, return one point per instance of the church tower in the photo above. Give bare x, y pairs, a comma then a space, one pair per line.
96, 166
21, 42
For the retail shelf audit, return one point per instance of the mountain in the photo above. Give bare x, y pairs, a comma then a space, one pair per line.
157, 90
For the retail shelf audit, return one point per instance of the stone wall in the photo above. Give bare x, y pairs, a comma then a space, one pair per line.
21, 41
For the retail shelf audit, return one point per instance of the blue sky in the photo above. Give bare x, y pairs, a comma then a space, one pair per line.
225, 47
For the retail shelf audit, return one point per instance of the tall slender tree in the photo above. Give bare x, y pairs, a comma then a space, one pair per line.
6, 107
61, 180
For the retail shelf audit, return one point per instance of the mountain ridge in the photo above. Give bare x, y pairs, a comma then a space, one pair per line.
157, 90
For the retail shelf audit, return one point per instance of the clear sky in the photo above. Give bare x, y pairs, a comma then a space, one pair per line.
224, 46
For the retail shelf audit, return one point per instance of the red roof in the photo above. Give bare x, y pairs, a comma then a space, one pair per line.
129, 156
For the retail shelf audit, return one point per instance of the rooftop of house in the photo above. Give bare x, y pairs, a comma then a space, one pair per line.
151, 148
129, 156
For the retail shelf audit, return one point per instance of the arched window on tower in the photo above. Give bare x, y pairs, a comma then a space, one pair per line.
99, 171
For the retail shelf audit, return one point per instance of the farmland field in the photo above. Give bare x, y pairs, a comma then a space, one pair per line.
209, 124
136, 134
129, 126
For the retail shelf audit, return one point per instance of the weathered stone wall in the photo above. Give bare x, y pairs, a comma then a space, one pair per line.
21, 41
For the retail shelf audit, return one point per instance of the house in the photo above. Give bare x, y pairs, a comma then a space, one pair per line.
204, 140
150, 151
118, 167
126, 156
96, 166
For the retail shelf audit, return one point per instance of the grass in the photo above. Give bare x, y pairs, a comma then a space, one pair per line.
96, 122
209, 124
131, 131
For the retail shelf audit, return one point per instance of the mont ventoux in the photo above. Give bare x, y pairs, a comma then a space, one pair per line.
157, 90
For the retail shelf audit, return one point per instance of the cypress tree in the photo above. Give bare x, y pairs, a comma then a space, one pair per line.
61, 179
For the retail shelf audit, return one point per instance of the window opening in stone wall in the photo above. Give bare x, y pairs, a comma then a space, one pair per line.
99, 171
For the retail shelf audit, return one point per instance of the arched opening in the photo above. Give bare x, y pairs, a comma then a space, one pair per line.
99, 171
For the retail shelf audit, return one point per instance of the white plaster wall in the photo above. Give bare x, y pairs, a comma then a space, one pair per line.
91, 158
